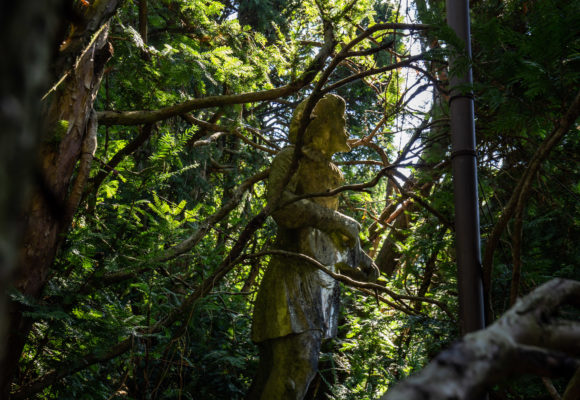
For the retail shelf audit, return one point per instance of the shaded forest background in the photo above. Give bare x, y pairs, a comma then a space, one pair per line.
146, 230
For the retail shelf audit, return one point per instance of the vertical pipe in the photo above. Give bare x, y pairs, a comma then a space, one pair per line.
143, 20
464, 164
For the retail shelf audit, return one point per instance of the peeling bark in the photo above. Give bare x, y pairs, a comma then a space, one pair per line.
526, 339
67, 146
30, 30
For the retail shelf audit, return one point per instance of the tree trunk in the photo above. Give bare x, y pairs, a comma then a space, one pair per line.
67, 146
29, 29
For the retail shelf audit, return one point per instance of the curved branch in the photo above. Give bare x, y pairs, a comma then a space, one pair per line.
402, 307
151, 116
191, 241
120, 155
386, 171
373, 71
351, 282
185, 245
522, 190
514, 344
372, 50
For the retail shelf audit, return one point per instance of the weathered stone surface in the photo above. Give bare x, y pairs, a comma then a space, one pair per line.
295, 298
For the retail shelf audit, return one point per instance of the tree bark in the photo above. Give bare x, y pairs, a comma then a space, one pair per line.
68, 139
29, 29
526, 339
516, 254
143, 20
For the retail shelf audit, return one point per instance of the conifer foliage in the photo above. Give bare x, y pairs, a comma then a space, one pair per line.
159, 126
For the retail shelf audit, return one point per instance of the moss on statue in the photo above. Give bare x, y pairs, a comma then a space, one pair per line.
297, 304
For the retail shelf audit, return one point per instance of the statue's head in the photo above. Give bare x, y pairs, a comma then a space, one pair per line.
326, 131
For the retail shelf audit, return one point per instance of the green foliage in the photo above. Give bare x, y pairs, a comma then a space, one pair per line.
112, 279
534, 67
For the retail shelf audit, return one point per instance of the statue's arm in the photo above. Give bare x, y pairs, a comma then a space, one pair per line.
364, 269
304, 213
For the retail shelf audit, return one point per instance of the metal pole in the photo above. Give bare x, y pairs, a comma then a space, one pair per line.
464, 164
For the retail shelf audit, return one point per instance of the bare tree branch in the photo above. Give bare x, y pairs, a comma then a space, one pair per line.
151, 116
522, 190
132, 146
550, 388
372, 50
514, 344
425, 205
351, 282
373, 71
232, 131
185, 245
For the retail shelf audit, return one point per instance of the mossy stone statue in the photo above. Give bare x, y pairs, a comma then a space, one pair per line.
297, 304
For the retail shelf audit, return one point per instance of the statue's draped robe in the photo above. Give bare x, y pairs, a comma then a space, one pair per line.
295, 296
